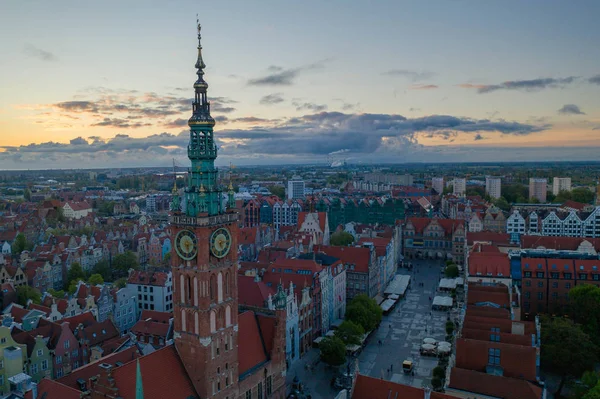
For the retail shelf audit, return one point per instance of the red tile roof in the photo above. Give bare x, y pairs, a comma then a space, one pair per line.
252, 353
449, 225
488, 236
155, 315
253, 293
497, 294
149, 327
360, 257
297, 264
85, 318
92, 369
507, 338
163, 376
495, 264
559, 243
516, 361
492, 385
322, 216
574, 205
374, 388
148, 278
49, 389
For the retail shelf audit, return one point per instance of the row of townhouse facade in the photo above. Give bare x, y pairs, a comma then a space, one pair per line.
570, 223
434, 238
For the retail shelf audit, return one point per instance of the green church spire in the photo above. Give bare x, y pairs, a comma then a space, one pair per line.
139, 385
203, 193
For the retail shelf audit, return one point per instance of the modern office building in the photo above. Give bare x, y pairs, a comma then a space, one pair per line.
493, 186
538, 189
295, 188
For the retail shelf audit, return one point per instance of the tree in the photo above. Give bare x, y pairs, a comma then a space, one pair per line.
121, 283
103, 268
278, 191
582, 194
333, 351
439, 372
96, 279
580, 388
593, 393
27, 194
451, 271
449, 327
350, 333
341, 239
584, 308
75, 273
123, 262
25, 292
364, 311
20, 244
448, 190
566, 349
502, 203
56, 294
436, 383
73, 286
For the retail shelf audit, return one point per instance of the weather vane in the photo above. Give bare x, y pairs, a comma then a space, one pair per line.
198, 23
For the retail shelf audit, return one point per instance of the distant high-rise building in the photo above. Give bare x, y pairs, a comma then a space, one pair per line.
437, 183
295, 188
538, 188
151, 203
561, 184
493, 186
459, 186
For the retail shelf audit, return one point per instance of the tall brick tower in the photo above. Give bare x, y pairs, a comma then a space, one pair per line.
204, 263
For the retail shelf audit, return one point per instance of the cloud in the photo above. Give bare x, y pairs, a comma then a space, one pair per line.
413, 75
524, 85
177, 123
595, 79
126, 108
38, 53
309, 106
303, 138
478, 137
270, 99
571, 109
283, 77
422, 87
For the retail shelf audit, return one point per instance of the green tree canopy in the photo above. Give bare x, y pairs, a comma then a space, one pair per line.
593, 393
566, 350
122, 263
75, 272
584, 308
582, 194
20, 244
364, 311
333, 351
502, 203
341, 239
25, 292
73, 286
27, 194
350, 333
514, 192
103, 268
96, 279
278, 191
451, 271
56, 294
120, 283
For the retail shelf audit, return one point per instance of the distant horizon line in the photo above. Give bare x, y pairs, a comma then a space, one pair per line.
320, 164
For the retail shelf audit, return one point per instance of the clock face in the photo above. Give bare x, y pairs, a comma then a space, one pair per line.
186, 244
220, 242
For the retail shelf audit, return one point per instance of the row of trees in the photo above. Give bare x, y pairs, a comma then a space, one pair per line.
362, 315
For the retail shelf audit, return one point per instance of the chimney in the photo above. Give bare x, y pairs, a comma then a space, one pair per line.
427, 393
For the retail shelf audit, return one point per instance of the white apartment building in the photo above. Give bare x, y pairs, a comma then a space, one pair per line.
538, 188
154, 290
561, 184
286, 213
437, 183
459, 186
295, 189
493, 186
151, 204
566, 224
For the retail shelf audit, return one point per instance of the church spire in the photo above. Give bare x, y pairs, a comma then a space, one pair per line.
139, 385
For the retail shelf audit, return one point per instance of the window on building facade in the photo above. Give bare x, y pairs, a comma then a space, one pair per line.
494, 356
269, 385
568, 276
582, 276
67, 344
249, 394
528, 283
260, 390
527, 274
540, 295
539, 274
40, 352
34, 368
540, 284
554, 275
554, 284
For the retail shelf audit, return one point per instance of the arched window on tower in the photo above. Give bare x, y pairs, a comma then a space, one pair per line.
182, 287
227, 285
183, 321
189, 290
213, 321
196, 323
221, 319
213, 287
195, 291
220, 287
227, 316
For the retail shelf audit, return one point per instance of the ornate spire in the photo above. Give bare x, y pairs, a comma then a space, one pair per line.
200, 65
139, 385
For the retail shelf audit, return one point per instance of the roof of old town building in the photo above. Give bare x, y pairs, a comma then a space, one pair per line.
375, 388
253, 293
494, 264
148, 278
493, 386
359, 257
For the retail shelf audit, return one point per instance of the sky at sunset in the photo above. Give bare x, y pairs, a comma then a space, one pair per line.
109, 83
